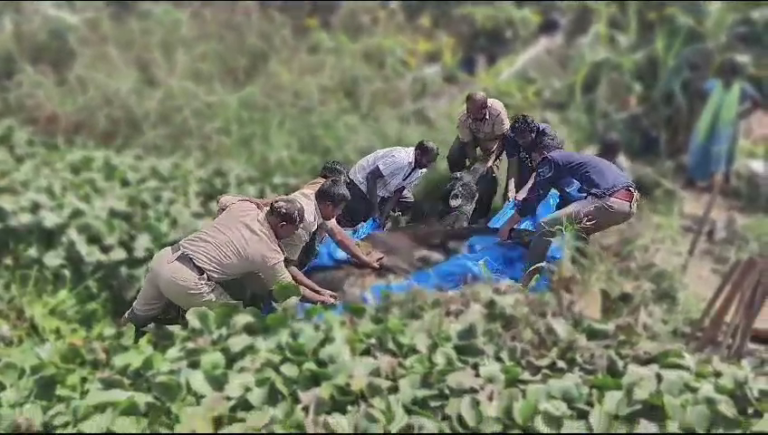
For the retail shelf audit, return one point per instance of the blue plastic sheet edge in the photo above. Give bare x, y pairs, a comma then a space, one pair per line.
487, 259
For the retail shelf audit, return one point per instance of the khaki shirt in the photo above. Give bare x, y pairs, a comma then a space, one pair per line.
312, 222
314, 185
237, 242
485, 133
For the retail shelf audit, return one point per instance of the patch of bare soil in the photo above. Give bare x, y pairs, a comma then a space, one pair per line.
709, 262
712, 257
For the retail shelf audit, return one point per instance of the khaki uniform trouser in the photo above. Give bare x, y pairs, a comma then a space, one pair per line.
172, 278
588, 216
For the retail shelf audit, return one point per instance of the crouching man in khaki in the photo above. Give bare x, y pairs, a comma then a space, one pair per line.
243, 239
321, 207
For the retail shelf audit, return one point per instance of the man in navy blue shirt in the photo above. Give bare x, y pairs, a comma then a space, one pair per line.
611, 198
524, 132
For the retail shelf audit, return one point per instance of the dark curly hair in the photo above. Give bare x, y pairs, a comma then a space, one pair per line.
334, 169
523, 122
546, 143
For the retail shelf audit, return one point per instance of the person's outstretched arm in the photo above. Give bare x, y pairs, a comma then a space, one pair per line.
348, 245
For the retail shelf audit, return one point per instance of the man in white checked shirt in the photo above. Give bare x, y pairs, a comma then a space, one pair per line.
383, 181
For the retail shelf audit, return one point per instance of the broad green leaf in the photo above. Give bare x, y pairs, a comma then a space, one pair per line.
544, 423
96, 423
33, 412
213, 362
569, 389
336, 423
399, 416
674, 409
286, 290
673, 382
194, 419
98, 397
125, 424
258, 397
492, 373
199, 383
131, 359
600, 420
761, 426
424, 425
470, 411
289, 370
645, 426
234, 428
239, 342
463, 380
641, 381
257, 420
615, 403
574, 426
238, 384
168, 388
524, 411
698, 417
201, 319
555, 408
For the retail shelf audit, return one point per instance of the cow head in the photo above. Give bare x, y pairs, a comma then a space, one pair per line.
460, 196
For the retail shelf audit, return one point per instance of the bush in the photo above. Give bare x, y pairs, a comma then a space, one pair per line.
471, 362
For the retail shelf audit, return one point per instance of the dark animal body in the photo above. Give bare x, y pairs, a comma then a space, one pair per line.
407, 249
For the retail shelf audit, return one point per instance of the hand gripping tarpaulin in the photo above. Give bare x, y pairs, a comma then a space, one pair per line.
486, 259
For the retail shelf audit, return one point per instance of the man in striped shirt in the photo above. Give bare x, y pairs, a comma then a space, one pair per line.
384, 180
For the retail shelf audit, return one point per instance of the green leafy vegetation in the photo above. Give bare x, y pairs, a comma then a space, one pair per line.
474, 361
124, 121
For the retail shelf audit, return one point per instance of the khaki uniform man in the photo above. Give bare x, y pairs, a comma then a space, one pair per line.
331, 169
243, 239
481, 127
321, 206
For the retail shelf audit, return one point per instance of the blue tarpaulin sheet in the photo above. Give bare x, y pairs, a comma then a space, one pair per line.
486, 259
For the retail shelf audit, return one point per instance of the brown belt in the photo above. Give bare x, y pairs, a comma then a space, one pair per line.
186, 260
627, 195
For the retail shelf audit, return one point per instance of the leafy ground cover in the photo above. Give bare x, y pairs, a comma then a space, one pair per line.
474, 361
122, 126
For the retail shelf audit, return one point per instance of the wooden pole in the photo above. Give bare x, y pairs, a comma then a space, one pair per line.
716, 183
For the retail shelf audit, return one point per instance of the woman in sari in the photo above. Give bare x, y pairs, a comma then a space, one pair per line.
712, 147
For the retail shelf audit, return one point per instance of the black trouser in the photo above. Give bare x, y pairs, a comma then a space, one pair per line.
487, 184
358, 208
309, 251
